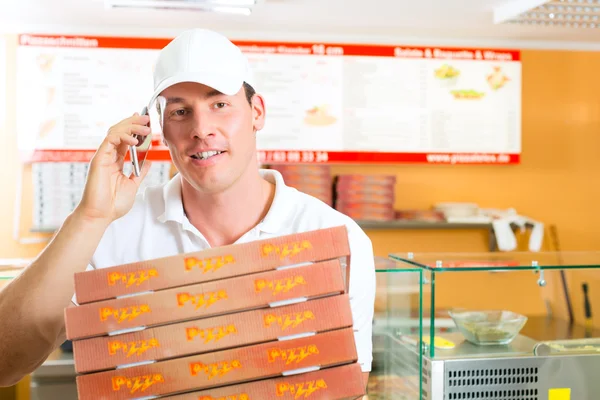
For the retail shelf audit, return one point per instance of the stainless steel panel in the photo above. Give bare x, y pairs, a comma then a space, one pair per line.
59, 365
437, 380
521, 378
55, 390
497, 379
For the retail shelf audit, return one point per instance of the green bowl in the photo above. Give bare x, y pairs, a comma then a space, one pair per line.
488, 327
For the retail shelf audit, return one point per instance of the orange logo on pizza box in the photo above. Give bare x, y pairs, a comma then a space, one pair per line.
299, 390
137, 347
279, 285
288, 320
241, 396
123, 313
285, 250
138, 383
207, 264
291, 355
209, 334
217, 369
132, 278
202, 299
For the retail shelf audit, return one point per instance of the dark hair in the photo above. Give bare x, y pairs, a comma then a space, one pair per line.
250, 92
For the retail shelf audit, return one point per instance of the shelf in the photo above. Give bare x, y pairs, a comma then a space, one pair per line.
46, 229
402, 224
9, 274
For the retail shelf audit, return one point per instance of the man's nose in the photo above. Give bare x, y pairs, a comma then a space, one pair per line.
203, 126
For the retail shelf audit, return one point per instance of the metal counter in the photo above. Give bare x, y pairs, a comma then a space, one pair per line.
55, 378
508, 373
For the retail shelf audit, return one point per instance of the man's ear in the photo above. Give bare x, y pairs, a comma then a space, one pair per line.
258, 112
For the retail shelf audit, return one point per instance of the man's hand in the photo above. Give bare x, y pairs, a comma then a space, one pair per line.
108, 193
31, 307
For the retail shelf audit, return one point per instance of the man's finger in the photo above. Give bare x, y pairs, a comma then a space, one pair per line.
117, 139
121, 136
140, 132
136, 129
145, 168
115, 145
136, 119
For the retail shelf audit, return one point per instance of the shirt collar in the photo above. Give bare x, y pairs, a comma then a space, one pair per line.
276, 218
283, 203
173, 202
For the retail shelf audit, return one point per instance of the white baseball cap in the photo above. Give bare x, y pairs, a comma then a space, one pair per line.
202, 56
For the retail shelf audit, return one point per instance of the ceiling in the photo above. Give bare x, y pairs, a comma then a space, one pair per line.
358, 20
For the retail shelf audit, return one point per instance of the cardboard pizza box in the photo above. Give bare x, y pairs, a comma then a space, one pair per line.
212, 334
217, 369
214, 264
336, 383
367, 179
204, 300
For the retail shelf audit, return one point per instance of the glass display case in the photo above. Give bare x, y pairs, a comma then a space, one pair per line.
483, 326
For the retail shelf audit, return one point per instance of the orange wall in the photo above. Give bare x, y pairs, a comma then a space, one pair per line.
555, 182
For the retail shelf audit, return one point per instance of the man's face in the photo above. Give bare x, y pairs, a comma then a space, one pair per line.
211, 136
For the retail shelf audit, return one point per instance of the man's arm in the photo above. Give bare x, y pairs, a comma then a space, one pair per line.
32, 305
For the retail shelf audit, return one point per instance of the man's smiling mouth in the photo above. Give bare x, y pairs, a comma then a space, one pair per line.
205, 155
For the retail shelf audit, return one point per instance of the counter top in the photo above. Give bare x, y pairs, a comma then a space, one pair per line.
59, 364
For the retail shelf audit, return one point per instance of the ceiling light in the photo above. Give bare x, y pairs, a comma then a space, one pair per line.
229, 2
557, 13
233, 10
240, 7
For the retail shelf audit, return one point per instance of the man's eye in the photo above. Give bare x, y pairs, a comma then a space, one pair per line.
178, 113
220, 105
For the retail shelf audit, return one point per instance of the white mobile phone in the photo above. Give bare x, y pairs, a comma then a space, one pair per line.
138, 153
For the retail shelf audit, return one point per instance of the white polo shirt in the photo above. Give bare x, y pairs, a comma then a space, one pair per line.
156, 226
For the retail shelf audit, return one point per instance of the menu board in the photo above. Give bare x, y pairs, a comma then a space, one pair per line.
58, 186
326, 103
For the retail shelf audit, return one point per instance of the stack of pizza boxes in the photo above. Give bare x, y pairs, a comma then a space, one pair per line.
315, 180
262, 320
366, 197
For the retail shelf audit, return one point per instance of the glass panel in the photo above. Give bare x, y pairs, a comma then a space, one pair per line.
501, 260
430, 336
479, 313
397, 332
394, 265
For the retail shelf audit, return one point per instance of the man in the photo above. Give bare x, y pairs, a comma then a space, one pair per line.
218, 198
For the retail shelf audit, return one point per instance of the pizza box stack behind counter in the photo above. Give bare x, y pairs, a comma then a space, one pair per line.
315, 180
366, 197
268, 319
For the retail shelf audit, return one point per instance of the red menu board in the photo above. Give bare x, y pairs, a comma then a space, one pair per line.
326, 102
